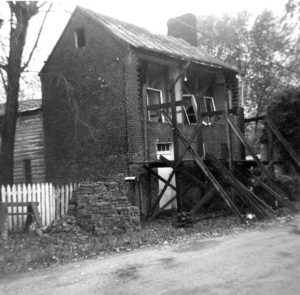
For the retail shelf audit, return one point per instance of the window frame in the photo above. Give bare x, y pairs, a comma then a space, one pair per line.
162, 118
207, 119
194, 105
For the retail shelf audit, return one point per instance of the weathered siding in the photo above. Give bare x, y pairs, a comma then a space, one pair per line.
29, 145
85, 102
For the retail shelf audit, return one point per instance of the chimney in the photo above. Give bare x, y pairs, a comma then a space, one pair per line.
184, 27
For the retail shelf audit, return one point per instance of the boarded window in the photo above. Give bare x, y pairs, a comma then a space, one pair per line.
154, 101
79, 37
27, 171
189, 108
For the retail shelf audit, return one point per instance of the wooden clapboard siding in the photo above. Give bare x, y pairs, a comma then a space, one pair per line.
29, 145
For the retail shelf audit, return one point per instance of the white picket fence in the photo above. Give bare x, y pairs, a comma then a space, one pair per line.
53, 201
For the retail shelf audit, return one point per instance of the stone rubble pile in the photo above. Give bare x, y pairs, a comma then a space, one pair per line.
100, 208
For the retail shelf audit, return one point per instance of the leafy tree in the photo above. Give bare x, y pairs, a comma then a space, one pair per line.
264, 50
12, 65
284, 111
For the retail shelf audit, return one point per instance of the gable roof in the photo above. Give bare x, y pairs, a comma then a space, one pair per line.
141, 38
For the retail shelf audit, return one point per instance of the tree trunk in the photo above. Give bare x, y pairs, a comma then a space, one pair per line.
17, 42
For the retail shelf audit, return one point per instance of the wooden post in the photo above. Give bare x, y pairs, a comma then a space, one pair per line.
3, 222
270, 150
199, 118
228, 137
176, 148
241, 120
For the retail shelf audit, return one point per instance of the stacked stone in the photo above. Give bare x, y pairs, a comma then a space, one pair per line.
99, 207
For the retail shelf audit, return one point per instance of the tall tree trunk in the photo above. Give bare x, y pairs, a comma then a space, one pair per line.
19, 26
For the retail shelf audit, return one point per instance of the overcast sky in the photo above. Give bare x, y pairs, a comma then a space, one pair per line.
151, 14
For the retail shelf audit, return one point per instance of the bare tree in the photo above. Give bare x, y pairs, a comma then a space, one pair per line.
11, 68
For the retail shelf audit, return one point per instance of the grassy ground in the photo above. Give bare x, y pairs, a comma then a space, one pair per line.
25, 252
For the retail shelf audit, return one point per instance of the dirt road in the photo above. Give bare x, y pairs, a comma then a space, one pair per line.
257, 262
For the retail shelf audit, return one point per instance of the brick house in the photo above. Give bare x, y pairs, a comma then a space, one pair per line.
104, 86
29, 157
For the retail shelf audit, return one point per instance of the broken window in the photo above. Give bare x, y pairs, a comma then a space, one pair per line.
79, 37
189, 108
154, 101
209, 104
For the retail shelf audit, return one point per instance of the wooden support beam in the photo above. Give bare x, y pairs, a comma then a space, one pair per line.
160, 178
281, 200
257, 160
162, 192
32, 214
159, 210
182, 170
284, 143
206, 171
245, 194
203, 200
3, 222
254, 119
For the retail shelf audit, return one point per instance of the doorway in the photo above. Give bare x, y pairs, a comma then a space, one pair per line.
166, 150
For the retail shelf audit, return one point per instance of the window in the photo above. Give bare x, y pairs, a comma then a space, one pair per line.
154, 101
162, 147
27, 171
189, 108
209, 104
79, 37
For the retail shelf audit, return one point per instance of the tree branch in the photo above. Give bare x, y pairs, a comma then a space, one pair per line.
37, 39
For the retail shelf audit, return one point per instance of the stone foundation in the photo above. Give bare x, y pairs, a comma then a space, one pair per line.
99, 207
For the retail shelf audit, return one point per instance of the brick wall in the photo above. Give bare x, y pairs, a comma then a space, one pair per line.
85, 102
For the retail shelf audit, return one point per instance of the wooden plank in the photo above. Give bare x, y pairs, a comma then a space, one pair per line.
254, 119
276, 195
245, 195
36, 215
284, 143
62, 203
160, 178
182, 170
207, 172
19, 204
3, 222
257, 160
207, 197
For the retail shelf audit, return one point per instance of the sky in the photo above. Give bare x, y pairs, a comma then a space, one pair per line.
152, 15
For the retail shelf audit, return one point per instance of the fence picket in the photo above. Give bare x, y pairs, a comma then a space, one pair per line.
53, 201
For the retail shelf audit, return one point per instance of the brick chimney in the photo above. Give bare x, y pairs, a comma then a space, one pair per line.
184, 27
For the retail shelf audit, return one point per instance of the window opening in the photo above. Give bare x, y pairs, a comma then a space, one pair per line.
154, 98
162, 147
190, 108
209, 104
27, 171
79, 37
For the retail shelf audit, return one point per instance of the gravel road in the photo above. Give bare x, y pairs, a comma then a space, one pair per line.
255, 262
